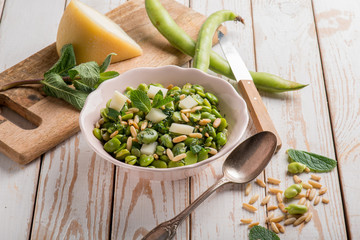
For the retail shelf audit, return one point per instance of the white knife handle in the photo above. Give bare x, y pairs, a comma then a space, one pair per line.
257, 109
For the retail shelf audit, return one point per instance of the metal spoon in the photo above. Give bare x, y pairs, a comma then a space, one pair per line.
244, 164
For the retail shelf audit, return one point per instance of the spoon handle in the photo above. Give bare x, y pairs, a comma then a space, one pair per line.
167, 230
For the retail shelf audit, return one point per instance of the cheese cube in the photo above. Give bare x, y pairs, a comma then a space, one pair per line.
181, 128
155, 115
148, 149
188, 103
153, 90
118, 101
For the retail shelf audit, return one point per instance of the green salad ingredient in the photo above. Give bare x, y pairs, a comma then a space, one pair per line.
296, 167
314, 162
259, 232
296, 209
157, 127
293, 190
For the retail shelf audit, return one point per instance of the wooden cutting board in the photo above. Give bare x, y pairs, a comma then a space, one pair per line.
55, 119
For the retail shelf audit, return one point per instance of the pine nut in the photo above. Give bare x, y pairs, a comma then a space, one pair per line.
248, 189
136, 119
275, 190
307, 193
149, 125
253, 224
317, 200
179, 157
322, 190
213, 151
307, 169
253, 199
204, 121
114, 134
299, 220
249, 207
179, 139
308, 217
297, 179
144, 125
102, 120
185, 110
307, 204
182, 96
265, 200
306, 185
246, 221
274, 227
195, 135
292, 216
97, 125
270, 216
279, 197
282, 207
135, 125
170, 154
300, 195
132, 110
197, 108
278, 218
260, 182
133, 131
123, 122
206, 135
312, 194
273, 181
325, 200
128, 101
272, 207
315, 177
315, 184
184, 117
280, 227
289, 221
216, 123
129, 143
302, 201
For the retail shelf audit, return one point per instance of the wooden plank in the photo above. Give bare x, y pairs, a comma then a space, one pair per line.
2, 2
18, 183
286, 45
219, 216
337, 28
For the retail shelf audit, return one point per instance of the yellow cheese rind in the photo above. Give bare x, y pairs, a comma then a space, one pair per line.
93, 35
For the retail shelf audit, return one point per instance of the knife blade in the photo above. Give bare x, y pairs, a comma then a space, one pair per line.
247, 88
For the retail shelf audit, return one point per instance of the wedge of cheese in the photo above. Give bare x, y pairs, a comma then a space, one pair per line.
93, 35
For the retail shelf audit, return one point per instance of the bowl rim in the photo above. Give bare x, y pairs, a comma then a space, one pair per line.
162, 170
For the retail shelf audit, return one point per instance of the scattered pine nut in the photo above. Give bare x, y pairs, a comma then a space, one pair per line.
253, 199
279, 197
280, 227
97, 124
277, 219
184, 117
312, 194
315, 184
275, 190
197, 108
204, 121
133, 131
217, 122
307, 169
253, 224
282, 207
260, 182
307, 193
182, 96
274, 227
322, 190
170, 87
300, 220
179, 139
306, 185
307, 204
272, 207
144, 125
149, 125
317, 200
248, 189
129, 143
179, 157
297, 179
114, 134
136, 119
170, 154
300, 195
325, 200
265, 200
213, 151
308, 217
246, 221
102, 120
249, 207
270, 216
289, 221
273, 181
123, 122
156, 156
206, 135
302, 201
185, 110
315, 177
195, 135
292, 216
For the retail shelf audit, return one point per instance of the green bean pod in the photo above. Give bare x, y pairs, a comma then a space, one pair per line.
161, 19
206, 33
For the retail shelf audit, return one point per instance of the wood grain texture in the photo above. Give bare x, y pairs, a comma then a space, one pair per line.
219, 216
2, 2
286, 45
338, 26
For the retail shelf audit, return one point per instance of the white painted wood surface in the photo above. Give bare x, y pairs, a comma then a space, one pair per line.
79, 196
338, 25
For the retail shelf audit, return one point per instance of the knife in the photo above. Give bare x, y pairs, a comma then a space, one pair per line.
257, 109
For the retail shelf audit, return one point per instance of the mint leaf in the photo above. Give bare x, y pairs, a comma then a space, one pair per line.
113, 114
195, 149
160, 101
56, 87
259, 232
140, 100
106, 62
66, 61
315, 162
82, 87
88, 72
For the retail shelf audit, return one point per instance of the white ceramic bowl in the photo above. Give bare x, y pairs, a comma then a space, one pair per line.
231, 105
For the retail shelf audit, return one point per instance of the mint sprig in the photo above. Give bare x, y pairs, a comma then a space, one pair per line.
160, 101
314, 162
259, 232
140, 100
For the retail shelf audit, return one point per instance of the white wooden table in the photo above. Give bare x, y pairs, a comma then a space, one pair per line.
70, 193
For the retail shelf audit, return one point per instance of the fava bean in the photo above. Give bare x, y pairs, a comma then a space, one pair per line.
135, 151
131, 159
223, 124
206, 115
97, 133
296, 209
159, 164
147, 136
145, 160
122, 154
143, 87
221, 138
127, 116
293, 190
296, 167
203, 154
172, 164
160, 150
166, 141
179, 148
216, 113
195, 117
190, 158
112, 145
212, 98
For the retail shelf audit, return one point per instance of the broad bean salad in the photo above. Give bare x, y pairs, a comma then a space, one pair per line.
158, 127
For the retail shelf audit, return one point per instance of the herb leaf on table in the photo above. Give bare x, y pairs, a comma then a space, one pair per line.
315, 162
259, 232
106, 62
89, 73
140, 100
66, 61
